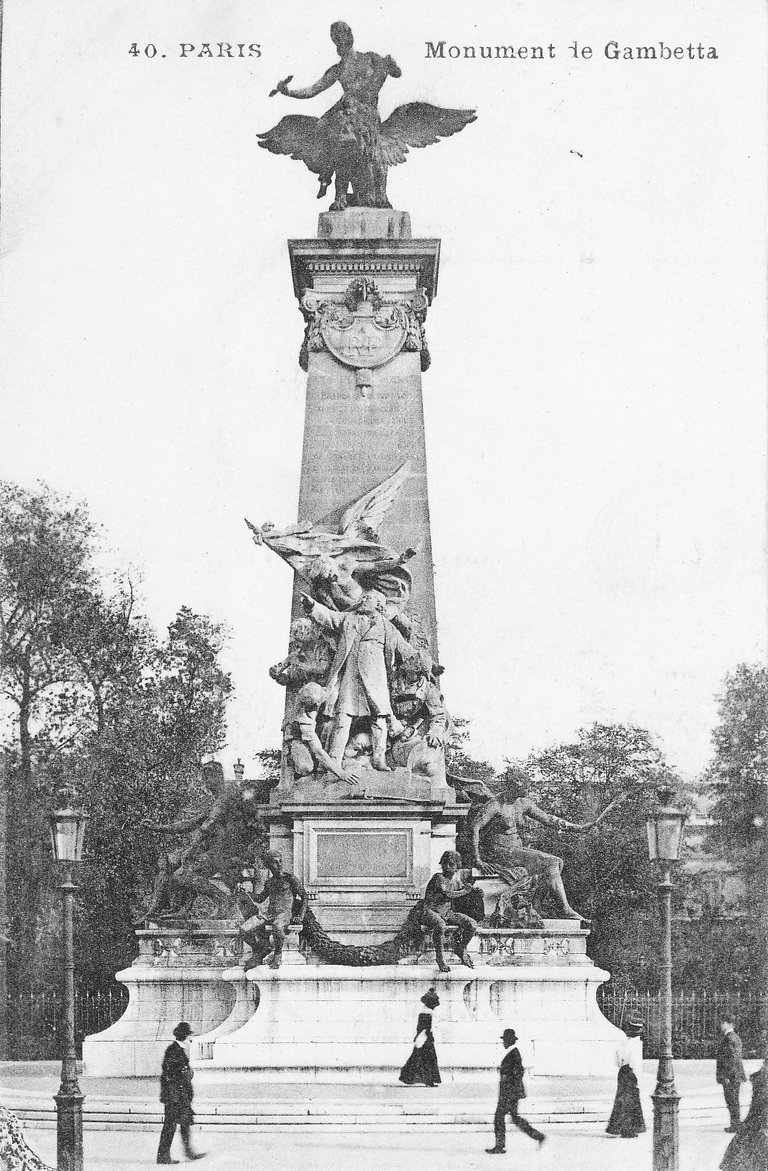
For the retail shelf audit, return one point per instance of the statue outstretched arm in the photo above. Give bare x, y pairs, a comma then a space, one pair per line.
330, 619
321, 757
532, 810
326, 81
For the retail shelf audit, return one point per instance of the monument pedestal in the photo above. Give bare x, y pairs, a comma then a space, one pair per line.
177, 976
311, 1021
364, 862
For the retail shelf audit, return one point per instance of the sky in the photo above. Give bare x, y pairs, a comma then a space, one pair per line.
595, 409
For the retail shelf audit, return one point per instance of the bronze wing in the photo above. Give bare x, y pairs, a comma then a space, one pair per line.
419, 124
296, 135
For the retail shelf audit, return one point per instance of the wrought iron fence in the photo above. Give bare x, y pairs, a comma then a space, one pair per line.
35, 1020
696, 1018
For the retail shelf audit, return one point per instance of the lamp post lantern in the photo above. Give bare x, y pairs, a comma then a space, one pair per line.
67, 824
665, 835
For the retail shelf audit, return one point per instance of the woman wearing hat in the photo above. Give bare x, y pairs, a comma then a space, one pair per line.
421, 1068
627, 1115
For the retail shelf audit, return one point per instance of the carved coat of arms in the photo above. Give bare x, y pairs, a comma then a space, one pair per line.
362, 330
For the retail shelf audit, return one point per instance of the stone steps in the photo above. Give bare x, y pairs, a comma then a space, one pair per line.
341, 1115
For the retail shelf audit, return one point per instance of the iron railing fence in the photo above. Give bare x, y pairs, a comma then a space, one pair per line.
696, 1017
35, 1024
35, 1020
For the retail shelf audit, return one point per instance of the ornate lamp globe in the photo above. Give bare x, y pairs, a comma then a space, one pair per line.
67, 824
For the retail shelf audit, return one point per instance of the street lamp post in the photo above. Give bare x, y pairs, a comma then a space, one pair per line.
665, 834
67, 824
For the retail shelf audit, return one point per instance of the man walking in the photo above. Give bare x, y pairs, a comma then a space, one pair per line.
511, 1090
176, 1096
729, 1071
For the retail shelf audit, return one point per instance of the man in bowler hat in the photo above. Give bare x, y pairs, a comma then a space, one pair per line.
729, 1071
511, 1090
176, 1096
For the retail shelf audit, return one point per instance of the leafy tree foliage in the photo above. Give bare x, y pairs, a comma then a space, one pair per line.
739, 769
738, 774
91, 695
607, 871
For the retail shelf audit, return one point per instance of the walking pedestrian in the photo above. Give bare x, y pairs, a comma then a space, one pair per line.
748, 1150
421, 1067
627, 1115
511, 1090
729, 1071
176, 1095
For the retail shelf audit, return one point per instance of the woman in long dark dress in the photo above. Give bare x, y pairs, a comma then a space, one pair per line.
627, 1115
421, 1068
748, 1149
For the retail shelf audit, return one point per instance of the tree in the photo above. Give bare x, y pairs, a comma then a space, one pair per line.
91, 695
607, 872
738, 771
45, 570
738, 774
142, 766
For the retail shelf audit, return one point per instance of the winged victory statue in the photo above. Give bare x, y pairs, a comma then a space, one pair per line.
340, 555
350, 141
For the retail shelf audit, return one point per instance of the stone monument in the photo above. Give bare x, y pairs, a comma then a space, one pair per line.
363, 812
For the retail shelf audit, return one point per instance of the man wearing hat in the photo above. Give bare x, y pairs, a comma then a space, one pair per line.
511, 1090
176, 1096
729, 1071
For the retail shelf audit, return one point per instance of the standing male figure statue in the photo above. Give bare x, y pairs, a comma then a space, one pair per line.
358, 685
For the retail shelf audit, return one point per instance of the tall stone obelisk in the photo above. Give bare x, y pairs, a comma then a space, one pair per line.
364, 286
364, 413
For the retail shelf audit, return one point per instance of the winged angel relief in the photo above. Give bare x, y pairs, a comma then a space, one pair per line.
350, 140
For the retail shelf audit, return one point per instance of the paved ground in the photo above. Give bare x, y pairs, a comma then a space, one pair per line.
567, 1148
111, 1146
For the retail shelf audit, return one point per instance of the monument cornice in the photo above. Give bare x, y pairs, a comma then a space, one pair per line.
312, 257
369, 808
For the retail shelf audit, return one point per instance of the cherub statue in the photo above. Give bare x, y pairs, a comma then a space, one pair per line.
350, 139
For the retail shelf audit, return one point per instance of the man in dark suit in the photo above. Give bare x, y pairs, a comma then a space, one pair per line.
511, 1090
729, 1071
176, 1096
